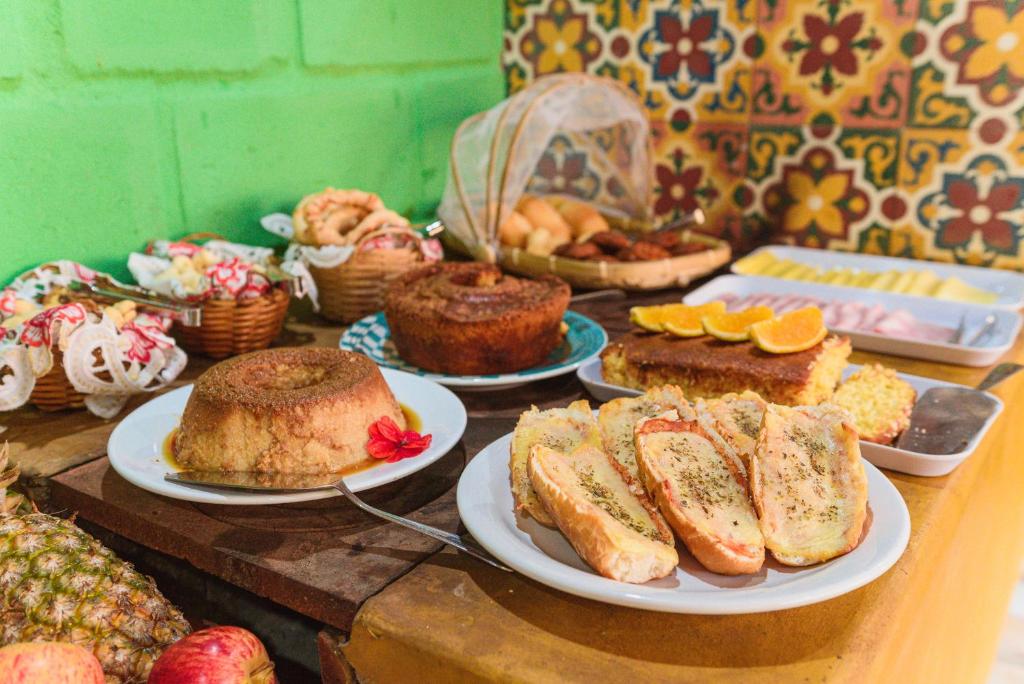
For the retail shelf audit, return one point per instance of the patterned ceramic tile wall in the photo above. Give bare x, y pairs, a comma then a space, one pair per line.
885, 126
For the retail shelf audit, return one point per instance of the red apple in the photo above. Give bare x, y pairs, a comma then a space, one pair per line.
48, 662
218, 655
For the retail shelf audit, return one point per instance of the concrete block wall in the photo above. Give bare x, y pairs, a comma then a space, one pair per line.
126, 120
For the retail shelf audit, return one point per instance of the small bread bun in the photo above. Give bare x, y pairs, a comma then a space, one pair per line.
542, 215
583, 219
542, 243
515, 230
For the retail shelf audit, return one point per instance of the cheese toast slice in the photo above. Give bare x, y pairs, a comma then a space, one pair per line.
618, 417
737, 418
606, 518
808, 483
559, 429
699, 489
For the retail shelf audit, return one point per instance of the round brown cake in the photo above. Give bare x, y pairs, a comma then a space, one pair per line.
289, 410
471, 319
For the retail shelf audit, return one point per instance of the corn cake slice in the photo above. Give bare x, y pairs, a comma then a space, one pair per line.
879, 401
560, 429
808, 483
605, 516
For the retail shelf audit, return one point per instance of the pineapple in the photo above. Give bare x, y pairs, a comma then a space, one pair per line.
59, 584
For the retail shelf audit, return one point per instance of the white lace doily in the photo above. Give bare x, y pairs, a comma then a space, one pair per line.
103, 362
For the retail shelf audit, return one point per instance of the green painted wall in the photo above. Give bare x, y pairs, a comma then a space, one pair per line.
125, 120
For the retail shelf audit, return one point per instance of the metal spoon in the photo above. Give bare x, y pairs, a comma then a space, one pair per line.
598, 294
283, 483
945, 419
986, 329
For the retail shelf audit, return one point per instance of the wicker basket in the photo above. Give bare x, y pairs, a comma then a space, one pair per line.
232, 327
53, 391
355, 288
628, 275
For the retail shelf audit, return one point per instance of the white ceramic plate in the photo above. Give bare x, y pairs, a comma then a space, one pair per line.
1008, 285
901, 460
584, 340
926, 309
136, 447
485, 504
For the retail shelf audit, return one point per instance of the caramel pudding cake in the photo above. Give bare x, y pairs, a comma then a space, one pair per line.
471, 319
704, 367
289, 410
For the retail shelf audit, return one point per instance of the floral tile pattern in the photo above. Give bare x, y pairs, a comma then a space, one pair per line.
884, 126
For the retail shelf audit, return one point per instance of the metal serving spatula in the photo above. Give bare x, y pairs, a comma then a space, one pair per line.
945, 419
283, 483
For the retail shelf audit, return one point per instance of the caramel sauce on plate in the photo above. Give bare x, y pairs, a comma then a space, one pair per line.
412, 419
412, 422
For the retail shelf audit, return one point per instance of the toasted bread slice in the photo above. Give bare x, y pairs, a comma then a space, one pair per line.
605, 517
737, 418
559, 429
618, 417
808, 483
699, 489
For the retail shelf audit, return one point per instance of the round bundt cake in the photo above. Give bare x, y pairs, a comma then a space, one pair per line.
471, 319
288, 410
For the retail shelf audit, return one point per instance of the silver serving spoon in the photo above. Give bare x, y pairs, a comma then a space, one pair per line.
284, 483
944, 420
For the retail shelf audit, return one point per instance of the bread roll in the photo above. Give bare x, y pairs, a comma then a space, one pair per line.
583, 219
515, 230
542, 215
541, 242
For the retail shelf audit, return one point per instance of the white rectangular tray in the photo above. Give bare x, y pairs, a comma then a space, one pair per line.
926, 309
1009, 285
901, 460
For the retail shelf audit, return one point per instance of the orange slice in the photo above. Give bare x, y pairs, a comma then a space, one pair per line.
791, 332
735, 327
647, 317
653, 318
684, 321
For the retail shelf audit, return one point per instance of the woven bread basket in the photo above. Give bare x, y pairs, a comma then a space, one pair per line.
355, 288
229, 326
53, 391
677, 271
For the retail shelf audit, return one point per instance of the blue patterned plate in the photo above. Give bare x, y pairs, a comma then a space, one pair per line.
584, 341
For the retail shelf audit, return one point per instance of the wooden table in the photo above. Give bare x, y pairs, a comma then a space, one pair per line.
935, 616
402, 609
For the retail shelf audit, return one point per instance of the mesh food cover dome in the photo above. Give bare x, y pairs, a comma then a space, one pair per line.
570, 134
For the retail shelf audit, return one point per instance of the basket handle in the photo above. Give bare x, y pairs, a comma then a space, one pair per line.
389, 230
202, 235
191, 237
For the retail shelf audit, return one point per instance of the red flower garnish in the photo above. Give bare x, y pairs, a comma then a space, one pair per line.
389, 442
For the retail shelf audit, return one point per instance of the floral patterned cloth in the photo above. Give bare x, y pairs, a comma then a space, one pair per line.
105, 362
887, 126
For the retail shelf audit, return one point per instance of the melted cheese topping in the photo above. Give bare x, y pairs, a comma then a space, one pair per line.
618, 417
738, 420
703, 485
805, 484
599, 483
560, 429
